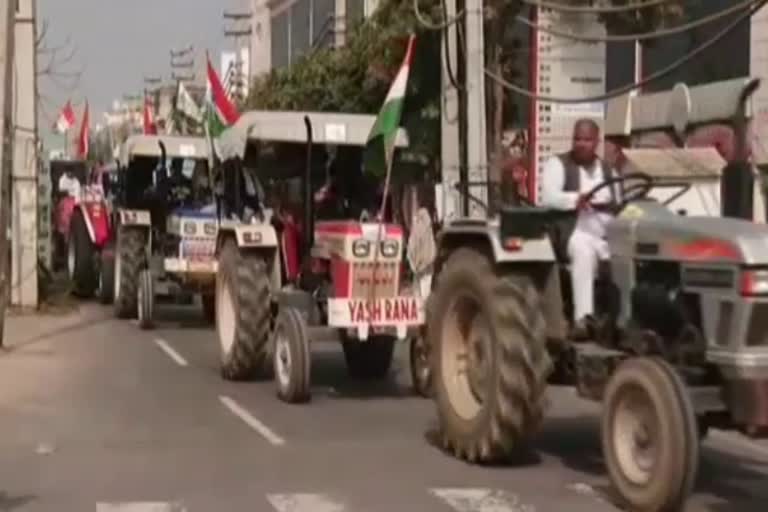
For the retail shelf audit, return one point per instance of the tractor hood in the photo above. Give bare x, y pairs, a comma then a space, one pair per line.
652, 231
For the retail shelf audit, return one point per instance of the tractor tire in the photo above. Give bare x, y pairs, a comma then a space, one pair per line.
292, 357
489, 417
652, 467
81, 258
146, 300
243, 314
371, 359
209, 307
107, 277
130, 257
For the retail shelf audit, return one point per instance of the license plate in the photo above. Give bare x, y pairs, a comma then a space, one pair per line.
388, 311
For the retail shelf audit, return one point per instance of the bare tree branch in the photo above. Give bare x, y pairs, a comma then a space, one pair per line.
53, 61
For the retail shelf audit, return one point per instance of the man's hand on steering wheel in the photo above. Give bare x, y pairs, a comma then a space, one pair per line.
632, 193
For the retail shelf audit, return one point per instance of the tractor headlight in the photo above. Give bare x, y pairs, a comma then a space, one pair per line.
361, 248
389, 248
190, 228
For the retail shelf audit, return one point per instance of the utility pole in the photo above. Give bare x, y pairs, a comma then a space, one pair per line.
237, 78
7, 18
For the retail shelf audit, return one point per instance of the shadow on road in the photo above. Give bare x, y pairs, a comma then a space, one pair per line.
9, 502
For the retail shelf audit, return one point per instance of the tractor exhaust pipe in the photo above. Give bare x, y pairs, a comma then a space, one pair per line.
737, 183
309, 202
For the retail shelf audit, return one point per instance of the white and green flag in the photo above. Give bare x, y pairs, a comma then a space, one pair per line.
186, 104
380, 146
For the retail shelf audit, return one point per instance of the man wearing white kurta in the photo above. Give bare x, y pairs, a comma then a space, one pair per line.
565, 180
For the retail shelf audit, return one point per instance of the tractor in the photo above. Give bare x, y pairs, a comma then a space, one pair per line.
166, 231
307, 260
677, 344
83, 228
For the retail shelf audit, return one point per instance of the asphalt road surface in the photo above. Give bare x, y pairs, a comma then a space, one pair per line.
98, 415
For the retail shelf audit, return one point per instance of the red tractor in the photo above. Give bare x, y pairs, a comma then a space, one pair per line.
83, 227
305, 261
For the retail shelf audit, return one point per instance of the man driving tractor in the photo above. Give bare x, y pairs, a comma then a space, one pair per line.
566, 178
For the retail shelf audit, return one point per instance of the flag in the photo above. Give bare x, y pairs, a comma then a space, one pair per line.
66, 119
186, 105
220, 112
85, 129
150, 128
380, 146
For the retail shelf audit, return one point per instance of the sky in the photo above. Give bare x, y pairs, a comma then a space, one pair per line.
118, 42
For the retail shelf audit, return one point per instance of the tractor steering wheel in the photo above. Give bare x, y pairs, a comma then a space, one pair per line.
632, 193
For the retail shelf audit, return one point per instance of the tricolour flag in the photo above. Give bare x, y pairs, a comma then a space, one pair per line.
380, 146
83, 145
220, 112
66, 119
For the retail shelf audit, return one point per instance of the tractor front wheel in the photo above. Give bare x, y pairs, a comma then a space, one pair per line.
649, 435
129, 259
243, 314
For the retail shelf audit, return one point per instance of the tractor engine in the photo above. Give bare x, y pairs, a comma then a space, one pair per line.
365, 266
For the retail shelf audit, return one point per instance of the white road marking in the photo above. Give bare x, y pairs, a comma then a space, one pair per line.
482, 500
178, 359
140, 507
251, 421
742, 442
305, 503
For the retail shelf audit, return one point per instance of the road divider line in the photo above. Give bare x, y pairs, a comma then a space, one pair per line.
305, 502
251, 421
481, 500
177, 358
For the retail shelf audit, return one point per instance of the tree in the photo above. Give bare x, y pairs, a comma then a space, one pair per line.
54, 68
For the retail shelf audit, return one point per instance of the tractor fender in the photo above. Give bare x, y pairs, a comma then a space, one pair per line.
484, 236
260, 238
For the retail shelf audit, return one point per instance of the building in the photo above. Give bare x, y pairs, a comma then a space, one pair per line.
284, 30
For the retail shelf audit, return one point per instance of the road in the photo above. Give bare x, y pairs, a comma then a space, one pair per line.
98, 415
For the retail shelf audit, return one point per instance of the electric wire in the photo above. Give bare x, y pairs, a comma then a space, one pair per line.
642, 36
631, 87
604, 9
425, 22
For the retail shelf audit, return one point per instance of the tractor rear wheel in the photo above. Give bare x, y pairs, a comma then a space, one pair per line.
130, 256
487, 331
650, 435
146, 300
371, 359
107, 276
243, 314
81, 258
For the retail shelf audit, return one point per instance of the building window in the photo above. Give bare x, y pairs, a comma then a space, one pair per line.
323, 17
727, 59
300, 28
280, 40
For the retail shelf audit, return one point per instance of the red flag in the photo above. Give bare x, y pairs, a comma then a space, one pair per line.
66, 119
82, 146
150, 128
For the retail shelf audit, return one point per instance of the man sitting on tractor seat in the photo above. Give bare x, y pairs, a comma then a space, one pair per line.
579, 237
